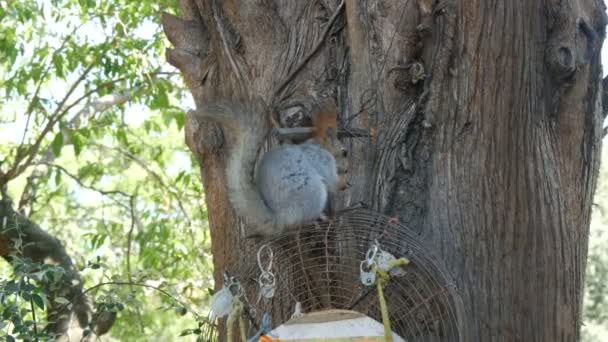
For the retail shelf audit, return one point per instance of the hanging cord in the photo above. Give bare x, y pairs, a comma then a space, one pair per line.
267, 279
386, 321
236, 313
242, 328
264, 330
227, 302
377, 268
383, 277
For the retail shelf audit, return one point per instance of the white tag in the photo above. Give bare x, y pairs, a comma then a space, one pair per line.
297, 312
221, 303
267, 291
397, 272
267, 283
384, 258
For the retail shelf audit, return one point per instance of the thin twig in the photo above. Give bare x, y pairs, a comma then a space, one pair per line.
28, 193
34, 319
123, 283
17, 168
151, 76
30, 107
130, 237
81, 183
154, 175
91, 92
107, 193
128, 258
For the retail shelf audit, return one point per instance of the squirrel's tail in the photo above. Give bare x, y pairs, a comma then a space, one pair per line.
246, 125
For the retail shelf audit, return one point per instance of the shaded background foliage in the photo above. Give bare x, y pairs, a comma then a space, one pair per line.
595, 313
91, 122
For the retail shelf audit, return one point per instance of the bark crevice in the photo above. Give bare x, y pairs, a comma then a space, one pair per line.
483, 120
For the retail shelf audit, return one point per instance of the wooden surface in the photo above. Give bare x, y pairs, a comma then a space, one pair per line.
332, 326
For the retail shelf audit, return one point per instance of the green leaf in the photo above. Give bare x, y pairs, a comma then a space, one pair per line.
77, 143
58, 177
38, 301
182, 311
58, 65
121, 136
186, 332
84, 5
57, 144
180, 119
26, 295
161, 100
11, 287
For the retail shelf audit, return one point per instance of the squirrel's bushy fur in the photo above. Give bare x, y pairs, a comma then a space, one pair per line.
292, 182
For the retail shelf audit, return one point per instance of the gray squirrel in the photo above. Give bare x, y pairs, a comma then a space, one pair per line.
293, 182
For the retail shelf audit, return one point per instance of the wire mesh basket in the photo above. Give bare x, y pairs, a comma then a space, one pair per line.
318, 267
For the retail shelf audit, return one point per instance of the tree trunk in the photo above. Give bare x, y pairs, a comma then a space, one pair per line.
484, 121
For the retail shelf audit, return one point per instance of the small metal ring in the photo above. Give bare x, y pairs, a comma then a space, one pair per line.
270, 258
267, 279
370, 256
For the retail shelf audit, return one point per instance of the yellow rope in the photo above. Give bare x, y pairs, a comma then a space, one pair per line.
398, 262
386, 321
229, 328
243, 328
382, 278
237, 312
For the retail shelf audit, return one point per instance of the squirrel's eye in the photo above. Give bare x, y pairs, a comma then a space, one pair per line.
344, 153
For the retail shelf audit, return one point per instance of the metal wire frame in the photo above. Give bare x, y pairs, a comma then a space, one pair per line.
318, 266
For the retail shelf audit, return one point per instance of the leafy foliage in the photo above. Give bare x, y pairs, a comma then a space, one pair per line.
21, 298
91, 148
595, 315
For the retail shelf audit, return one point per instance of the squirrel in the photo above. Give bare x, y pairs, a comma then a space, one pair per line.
293, 182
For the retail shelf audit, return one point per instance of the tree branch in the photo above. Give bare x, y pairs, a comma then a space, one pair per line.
152, 173
30, 107
17, 168
42, 247
128, 283
96, 106
81, 183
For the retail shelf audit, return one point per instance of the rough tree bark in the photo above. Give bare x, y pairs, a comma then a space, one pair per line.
485, 125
